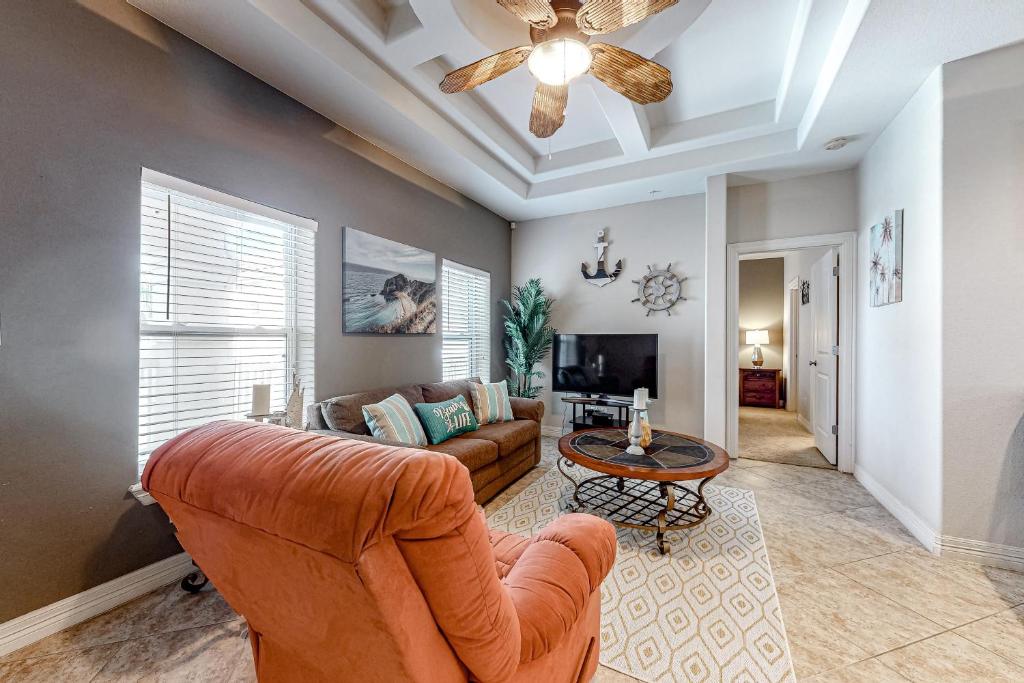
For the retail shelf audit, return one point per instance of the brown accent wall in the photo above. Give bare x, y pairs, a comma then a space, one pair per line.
89, 93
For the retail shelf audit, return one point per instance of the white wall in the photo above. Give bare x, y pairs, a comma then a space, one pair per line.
641, 234
762, 293
983, 316
899, 347
810, 205
798, 395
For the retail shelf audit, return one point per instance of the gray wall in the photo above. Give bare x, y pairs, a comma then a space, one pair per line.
762, 292
639, 234
899, 347
982, 316
85, 101
809, 205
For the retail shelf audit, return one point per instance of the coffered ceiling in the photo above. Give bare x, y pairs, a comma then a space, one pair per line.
760, 87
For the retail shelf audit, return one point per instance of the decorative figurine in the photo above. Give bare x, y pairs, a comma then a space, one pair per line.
659, 290
602, 276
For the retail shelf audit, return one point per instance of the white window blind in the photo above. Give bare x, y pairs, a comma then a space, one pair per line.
466, 304
225, 302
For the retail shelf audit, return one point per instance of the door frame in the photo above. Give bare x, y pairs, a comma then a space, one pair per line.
791, 341
846, 244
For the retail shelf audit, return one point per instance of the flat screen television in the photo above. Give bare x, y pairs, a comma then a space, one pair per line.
605, 364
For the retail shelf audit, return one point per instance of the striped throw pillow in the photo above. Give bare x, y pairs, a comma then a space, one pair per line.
490, 402
393, 420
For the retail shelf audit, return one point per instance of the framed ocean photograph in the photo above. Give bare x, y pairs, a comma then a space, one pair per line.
886, 259
387, 287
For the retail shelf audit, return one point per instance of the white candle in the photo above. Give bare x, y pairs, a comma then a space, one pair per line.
260, 399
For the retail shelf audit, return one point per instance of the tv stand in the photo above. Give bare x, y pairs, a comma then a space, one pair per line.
580, 419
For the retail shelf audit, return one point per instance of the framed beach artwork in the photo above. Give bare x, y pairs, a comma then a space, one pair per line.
886, 260
387, 287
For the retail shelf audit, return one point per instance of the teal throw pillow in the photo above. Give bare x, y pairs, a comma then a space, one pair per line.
393, 420
446, 419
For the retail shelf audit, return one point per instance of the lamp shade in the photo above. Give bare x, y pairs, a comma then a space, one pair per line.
757, 336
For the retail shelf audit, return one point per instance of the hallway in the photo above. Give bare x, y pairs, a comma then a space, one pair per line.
777, 436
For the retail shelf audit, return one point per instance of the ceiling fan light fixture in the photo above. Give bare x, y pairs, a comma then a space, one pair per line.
556, 62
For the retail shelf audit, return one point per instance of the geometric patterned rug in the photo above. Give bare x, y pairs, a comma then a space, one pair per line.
706, 612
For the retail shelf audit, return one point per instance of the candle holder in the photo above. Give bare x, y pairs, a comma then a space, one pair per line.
636, 432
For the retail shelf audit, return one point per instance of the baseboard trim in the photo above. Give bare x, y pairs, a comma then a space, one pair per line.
928, 537
548, 430
983, 552
45, 621
804, 423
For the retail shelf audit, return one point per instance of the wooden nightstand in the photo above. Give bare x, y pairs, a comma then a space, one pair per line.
761, 387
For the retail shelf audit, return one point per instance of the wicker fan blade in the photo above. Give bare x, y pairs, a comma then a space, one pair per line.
629, 74
605, 16
487, 69
548, 114
537, 13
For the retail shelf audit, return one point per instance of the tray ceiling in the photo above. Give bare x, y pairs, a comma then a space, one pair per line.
759, 87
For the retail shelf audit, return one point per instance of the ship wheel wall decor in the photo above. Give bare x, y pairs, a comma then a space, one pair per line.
659, 290
562, 50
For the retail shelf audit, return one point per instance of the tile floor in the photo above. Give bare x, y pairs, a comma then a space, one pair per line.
862, 602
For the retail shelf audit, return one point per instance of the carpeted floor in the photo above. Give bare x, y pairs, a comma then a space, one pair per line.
777, 436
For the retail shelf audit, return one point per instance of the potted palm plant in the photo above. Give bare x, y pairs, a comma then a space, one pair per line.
528, 336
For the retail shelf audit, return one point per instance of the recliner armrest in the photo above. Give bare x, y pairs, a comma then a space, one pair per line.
527, 408
552, 580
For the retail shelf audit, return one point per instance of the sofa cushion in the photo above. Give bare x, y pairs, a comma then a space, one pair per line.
345, 413
393, 419
507, 435
473, 453
443, 391
441, 421
491, 402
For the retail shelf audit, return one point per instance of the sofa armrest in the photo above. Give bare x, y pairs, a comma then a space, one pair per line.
554, 578
527, 409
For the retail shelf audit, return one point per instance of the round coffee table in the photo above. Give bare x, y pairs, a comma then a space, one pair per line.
638, 491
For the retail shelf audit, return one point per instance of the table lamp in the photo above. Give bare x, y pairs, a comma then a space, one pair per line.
757, 337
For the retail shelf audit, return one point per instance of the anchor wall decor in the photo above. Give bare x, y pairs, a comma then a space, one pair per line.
601, 277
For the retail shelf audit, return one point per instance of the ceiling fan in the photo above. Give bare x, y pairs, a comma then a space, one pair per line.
559, 30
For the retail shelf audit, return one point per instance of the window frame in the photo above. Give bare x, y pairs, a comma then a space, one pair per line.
480, 333
289, 333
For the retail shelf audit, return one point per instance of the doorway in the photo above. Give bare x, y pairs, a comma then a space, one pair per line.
790, 355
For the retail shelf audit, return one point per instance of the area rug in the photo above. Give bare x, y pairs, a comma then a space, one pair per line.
706, 612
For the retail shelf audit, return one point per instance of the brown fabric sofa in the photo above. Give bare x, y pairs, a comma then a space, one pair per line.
495, 455
355, 561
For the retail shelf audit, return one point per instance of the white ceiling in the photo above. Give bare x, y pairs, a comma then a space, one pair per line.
760, 86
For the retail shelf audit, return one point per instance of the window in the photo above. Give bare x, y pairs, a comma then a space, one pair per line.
466, 306
225, 302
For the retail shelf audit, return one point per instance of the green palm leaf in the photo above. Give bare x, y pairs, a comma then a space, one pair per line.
528, 336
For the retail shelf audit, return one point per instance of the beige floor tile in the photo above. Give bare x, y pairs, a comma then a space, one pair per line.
794, 474
164, 610
783, 502
606, 675
78, 665
948, 658
867, 671
207, 653
745, 478
1001, 633
941, 590
839, 610
824, 541
744, 463
846, 492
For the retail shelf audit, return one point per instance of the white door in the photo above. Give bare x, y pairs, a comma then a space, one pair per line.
824, 363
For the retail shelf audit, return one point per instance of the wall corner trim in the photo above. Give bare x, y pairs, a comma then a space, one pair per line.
45, 621
982, 552
928, 537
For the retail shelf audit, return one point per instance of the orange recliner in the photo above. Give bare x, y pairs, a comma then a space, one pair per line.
353, 561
